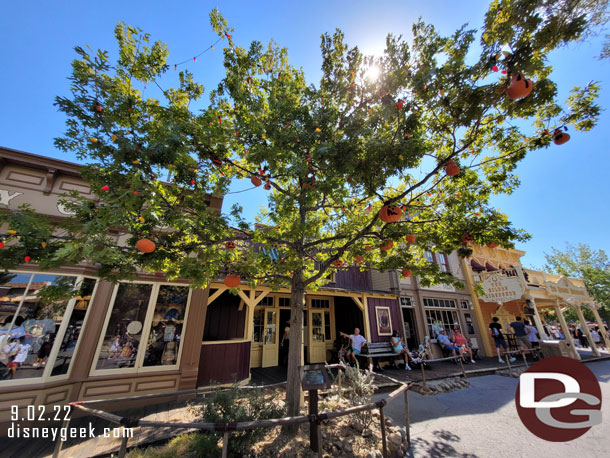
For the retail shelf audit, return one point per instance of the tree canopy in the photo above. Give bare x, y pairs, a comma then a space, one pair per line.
421, 136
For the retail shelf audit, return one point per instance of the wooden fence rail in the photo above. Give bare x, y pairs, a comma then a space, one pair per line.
84, 408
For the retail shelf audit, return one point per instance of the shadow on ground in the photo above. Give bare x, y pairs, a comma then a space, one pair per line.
440, 446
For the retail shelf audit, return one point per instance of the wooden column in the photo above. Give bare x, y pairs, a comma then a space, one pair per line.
586, 330
602, 328
477, 308
538, 321
564, 329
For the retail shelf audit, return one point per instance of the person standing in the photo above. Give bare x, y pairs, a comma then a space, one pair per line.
521, 334
597, 339
357, 341
496, 332
532, 335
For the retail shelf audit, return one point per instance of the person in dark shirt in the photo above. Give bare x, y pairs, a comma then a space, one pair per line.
496, 332
521, 334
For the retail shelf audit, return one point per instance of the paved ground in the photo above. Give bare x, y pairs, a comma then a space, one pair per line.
482, 421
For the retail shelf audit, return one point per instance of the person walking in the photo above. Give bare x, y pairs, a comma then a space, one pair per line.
597, 338
496, 332
397, 347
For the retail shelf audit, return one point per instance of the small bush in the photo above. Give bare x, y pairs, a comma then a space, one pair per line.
192, 445
356, 388
235, 405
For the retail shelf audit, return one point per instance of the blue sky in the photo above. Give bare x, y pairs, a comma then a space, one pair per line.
564, 192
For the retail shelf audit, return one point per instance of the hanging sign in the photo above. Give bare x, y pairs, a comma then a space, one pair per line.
499, 288
566, 290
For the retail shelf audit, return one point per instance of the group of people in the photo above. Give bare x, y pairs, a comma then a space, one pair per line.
525, 334
581, 340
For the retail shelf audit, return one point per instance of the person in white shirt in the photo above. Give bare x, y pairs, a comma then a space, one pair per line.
357, 341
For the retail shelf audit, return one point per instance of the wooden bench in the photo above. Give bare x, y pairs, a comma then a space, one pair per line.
377, 351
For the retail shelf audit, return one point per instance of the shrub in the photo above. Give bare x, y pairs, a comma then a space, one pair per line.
356, 388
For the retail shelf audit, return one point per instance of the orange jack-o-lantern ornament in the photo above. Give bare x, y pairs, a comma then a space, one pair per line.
467, 238
368, 248
390, 213
146, 246
309, 183
358, 259
267, 186
230, 245
387, 245
560, 137
452, 169
217, 161
337, 263
410, 238
492, 245
406, 273
256, 181
519, 87
232, 281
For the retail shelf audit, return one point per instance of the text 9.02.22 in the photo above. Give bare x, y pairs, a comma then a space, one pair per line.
40, 413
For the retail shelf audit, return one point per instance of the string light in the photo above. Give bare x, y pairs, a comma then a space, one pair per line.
209, 48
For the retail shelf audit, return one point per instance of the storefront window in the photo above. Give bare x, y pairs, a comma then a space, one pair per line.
259, 325
33, 306
166, 327
441, 319
124, 329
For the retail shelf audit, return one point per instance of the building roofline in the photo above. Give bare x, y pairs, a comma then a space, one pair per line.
36, 161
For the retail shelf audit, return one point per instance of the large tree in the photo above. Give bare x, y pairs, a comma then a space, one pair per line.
422, 135
582, 261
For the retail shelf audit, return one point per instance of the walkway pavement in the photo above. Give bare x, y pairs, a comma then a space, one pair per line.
482, 421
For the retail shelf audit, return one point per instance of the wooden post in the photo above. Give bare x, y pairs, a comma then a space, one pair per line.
423, 374
462, 366
123, 449
407, 419
602, 328
564, 329
524, 358
314, 426
585, 329
225, 444
59, 443
510, 369
383, 442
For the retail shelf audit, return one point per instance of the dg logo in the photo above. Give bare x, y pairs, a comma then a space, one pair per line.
559, 399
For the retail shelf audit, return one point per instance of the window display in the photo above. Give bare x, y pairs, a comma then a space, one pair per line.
166, 327
33, 306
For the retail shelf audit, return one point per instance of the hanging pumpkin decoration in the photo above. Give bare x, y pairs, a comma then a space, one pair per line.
217, 161
410, 238
256, 181
146, 245
390, 213
1, 245
519, 87
27, 259
493, 245
230, 245
232, 281
106, 188
387, 245
559, 137
267, 186
337, 263
452, 169
358, 259
406, 273
309, 183
467, 238
368, 248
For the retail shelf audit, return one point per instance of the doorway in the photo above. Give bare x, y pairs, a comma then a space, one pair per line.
410, 327
348, 316
284, 324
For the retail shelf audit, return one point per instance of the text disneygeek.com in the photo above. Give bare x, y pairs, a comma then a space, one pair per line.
18, 432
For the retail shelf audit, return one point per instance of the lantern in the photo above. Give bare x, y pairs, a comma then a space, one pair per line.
256, 181
390, 213
232, 281
230, 245
387, 245
492, 245
452, 169
410, 238
519, 87
467, 238
559, 137
145, 245
406, 273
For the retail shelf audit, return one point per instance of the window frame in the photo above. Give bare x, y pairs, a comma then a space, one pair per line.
443, 263
46, 376
139, 367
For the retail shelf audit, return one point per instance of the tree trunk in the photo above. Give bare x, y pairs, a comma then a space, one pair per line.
293, 386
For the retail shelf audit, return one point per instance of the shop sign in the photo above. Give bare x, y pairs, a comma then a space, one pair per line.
566, 290
499, 288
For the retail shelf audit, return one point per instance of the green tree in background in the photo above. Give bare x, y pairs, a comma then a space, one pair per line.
424, 134
592, 266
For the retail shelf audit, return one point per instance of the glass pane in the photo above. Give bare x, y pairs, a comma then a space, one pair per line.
124, 331
166, 327
75, 326
257, 335
270, 328
317, 327
28, 332
327, 334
